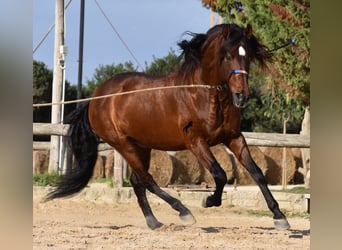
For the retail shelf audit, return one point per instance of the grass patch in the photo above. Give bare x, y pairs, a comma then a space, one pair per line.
46, 179
109, 181
295, 190
52, 179
259, 213
126, 183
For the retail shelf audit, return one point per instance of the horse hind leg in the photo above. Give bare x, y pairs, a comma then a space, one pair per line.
139, 160
184, 213
140, 191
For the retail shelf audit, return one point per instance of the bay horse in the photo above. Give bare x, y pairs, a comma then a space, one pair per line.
177, 118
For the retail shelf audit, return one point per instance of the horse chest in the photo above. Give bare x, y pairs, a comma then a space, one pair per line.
223, 125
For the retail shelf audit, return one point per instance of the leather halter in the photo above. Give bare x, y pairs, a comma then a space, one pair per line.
235, 72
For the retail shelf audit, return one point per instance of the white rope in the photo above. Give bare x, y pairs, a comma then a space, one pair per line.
124, 93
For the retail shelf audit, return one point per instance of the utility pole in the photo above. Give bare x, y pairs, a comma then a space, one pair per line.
57, 83
80, 53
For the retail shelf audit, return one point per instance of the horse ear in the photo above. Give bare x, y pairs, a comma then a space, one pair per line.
248, 31
225, 31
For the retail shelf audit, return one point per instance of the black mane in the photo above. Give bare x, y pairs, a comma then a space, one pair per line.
192, 49
191, 54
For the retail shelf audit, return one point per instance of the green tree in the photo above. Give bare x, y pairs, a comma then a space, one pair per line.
286, 89
164, 65
105, 72
159, 66
42, 93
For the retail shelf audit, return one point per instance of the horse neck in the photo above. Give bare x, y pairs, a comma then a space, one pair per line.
210, 76
187, 78
210, 66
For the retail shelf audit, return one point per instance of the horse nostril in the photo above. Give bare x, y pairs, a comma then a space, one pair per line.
240, 96
240, 100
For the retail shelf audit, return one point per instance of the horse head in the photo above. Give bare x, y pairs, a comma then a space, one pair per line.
223, 56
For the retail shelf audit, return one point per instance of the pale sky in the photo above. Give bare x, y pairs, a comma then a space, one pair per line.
149, 27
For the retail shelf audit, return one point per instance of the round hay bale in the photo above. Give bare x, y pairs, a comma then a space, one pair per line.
99, 167
109, 164
186, 169
274, 157
161, 167
223, 157
242, 175
300, 172
40, 161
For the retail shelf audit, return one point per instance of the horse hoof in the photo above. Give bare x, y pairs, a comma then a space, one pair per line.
209, 201
188, 219
204, 201
281, 224
152, 223
155, 225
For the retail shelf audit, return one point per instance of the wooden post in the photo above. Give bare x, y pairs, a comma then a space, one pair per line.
306, 151
117, 173
57, 83
284, 173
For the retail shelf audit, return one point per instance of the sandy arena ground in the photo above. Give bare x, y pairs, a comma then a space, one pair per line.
80, 224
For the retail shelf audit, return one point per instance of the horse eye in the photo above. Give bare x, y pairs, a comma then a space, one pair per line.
229, 57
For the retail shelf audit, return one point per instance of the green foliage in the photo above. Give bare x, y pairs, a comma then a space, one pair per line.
42, 92
46, 179
286, 90
159, 66
162, 66
105, 72
126, 183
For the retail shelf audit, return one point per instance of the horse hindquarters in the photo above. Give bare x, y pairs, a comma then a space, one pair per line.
84, 146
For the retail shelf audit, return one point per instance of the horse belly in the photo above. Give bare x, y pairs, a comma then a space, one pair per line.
154, 132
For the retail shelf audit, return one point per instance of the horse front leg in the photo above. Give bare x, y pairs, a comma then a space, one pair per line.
239, 147
206, 158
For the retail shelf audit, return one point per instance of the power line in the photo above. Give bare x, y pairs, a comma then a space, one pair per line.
119, 36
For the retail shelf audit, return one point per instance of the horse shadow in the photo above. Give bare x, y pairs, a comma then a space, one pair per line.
217, 229
110, 227
294, 233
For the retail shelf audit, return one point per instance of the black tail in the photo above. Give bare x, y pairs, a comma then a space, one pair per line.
84, 144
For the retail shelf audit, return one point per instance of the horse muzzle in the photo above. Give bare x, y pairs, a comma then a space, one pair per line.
240, 100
